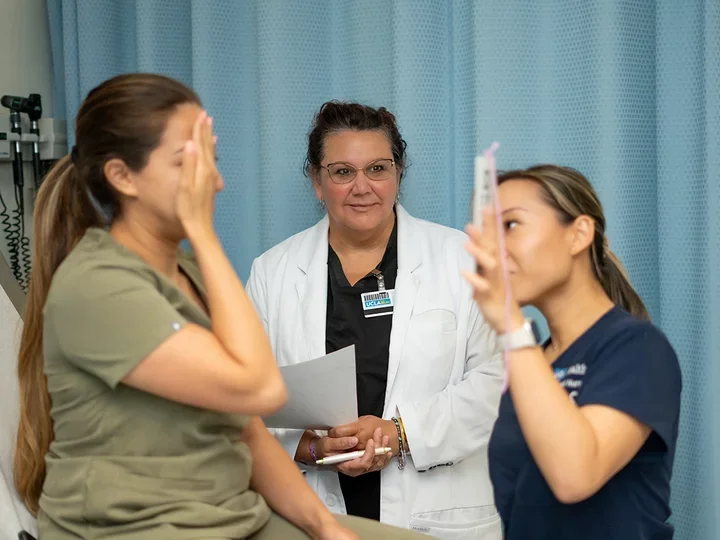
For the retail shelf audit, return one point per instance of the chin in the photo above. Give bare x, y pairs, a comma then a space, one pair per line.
522, 295
363, 225
369, 218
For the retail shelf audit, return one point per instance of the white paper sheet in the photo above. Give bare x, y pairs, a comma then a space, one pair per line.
322, 393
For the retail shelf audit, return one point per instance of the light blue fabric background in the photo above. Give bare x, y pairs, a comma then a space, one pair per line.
627, 91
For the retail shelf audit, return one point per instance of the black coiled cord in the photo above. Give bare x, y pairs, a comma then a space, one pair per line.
25, 256
11, 231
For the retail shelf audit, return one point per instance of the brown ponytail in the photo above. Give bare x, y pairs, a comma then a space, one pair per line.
616, 283
571, 195
123, 118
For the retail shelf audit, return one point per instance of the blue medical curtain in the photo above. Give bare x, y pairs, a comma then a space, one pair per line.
627, 91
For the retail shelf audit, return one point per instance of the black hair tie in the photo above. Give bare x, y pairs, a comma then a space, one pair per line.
74, 154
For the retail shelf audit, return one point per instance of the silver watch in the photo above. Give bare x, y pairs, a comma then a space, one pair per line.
525, 336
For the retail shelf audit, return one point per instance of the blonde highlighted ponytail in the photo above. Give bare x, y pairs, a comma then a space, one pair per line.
63, 212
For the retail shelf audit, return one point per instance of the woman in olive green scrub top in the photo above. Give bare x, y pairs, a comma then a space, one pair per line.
143, 370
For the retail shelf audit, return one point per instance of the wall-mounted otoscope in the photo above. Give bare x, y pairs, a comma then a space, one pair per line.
32, 106
46, 141
34, 113
14, 226
15, 104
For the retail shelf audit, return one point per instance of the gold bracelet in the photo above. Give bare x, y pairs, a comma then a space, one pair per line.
404, 437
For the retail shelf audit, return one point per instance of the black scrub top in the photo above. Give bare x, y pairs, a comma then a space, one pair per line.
620, 362
346, 325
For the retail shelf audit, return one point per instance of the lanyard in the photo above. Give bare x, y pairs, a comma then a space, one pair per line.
380, 279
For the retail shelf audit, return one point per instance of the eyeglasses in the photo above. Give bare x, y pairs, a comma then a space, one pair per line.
344, 173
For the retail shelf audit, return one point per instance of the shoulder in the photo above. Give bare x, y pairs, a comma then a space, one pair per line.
290, 249
638, 345
626, 329
635, 370
98, 266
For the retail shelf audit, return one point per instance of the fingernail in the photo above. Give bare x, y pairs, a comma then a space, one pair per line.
190, 147
353, 441
215, 138
209, 120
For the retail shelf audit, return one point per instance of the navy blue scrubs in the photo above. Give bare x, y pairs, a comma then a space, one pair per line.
624, 363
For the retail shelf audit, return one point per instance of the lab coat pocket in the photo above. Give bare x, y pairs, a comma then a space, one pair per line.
429, 351
474, 523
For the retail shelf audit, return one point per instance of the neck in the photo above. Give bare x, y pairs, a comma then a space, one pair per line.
346, 242
572, 311
160, 253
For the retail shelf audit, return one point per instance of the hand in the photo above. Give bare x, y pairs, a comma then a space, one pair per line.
329, 446
199, 181
489, 285
364, 430
368, 462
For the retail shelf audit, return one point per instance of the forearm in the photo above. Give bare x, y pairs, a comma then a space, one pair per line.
282, 484
560, 438
234, 320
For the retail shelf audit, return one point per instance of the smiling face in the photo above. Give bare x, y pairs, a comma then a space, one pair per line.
361, 205
543, 253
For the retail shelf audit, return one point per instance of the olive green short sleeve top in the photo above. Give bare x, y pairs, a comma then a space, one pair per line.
126, 464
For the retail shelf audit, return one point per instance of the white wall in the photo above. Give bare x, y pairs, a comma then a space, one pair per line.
25, 61
25, 67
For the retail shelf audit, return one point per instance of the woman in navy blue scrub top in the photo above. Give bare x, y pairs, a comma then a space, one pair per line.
584, 444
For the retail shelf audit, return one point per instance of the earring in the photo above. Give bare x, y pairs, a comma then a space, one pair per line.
322, 204
397, 198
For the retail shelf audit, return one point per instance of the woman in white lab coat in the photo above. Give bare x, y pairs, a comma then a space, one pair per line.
428, 373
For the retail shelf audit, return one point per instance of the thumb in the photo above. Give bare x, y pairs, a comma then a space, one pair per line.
339, 445
344, 431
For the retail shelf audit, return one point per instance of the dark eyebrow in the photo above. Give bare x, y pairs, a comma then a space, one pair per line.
354, 167
341, 163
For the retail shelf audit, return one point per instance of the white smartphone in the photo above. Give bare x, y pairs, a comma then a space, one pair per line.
482, 194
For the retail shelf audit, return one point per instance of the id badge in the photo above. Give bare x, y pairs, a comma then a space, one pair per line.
378, 303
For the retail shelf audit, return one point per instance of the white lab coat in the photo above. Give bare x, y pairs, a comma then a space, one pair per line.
444, 373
